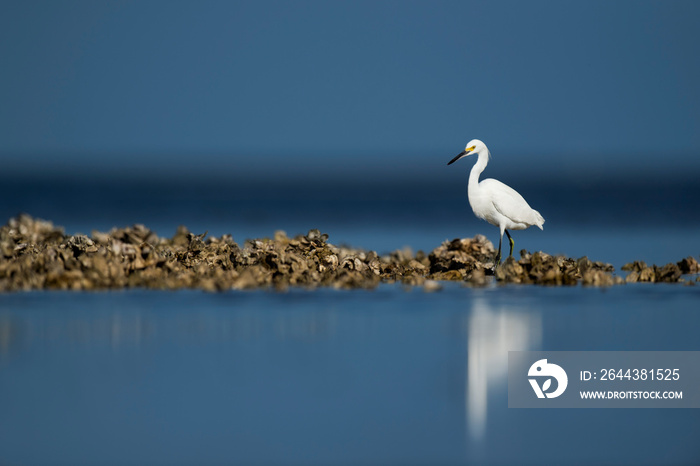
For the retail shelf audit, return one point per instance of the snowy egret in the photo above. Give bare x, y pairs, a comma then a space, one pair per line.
495, 202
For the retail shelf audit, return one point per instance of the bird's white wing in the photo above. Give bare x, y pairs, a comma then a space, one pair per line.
508, 202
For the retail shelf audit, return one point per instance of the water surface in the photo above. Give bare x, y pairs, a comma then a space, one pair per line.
326, 377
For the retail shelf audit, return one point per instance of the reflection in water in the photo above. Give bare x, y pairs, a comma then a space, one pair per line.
132, 330
321, 377
492, 332
491, 329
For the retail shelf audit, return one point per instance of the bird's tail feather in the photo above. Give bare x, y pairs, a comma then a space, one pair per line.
539, 220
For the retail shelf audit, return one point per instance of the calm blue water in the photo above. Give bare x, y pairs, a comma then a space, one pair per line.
326, 377
339, 377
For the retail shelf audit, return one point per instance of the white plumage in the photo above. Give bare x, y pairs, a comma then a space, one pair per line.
495, 202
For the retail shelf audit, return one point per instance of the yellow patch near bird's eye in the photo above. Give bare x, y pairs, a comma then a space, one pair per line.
469, 149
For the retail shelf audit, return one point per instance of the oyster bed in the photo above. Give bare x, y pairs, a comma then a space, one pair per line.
35, 254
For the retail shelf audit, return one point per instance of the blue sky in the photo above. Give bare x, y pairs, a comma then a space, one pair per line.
346, 87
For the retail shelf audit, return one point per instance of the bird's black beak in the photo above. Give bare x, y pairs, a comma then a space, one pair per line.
459, 156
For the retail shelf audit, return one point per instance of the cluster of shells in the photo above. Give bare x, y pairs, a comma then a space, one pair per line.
669, 273
34, 254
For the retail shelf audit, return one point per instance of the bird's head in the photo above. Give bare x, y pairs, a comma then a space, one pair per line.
473, 147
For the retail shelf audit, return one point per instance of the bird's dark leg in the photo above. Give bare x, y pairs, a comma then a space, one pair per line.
498, 255
512, 243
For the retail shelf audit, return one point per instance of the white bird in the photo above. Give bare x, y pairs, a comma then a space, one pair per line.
495, 202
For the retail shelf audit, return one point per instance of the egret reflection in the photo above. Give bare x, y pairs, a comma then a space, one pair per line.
492, 332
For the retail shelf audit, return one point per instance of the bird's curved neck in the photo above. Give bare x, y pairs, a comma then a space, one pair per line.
477, 169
